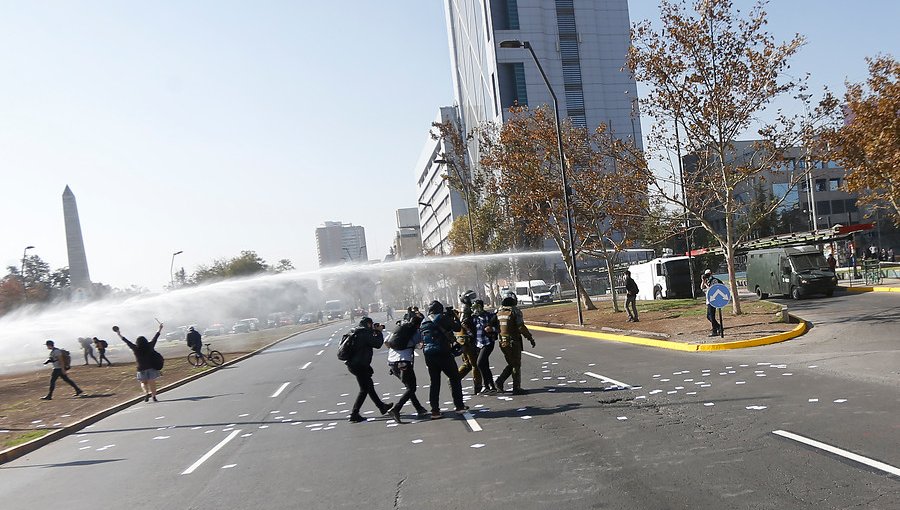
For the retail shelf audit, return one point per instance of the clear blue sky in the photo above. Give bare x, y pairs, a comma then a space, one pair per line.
219, 126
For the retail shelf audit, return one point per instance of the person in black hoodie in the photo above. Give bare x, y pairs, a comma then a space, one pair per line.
145, 355
437, 336
368, 336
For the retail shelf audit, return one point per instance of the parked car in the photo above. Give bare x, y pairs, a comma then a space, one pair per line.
240, 327
214, 330
358, 312
308, 318
252, 323
178, 333
285, 320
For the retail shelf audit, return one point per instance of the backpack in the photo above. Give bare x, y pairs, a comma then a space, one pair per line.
158, 361
433, 335
347, 347
509, 330
66, 358
401, 337
102, 344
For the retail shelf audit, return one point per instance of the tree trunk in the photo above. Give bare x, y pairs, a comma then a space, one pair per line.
729, 257
612, 285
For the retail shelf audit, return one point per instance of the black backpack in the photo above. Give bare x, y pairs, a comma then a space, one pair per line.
347, 347
401, 337
158, 361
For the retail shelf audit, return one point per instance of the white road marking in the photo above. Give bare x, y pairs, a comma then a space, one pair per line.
320, 352
228, 466
304, 367
881, 466
470, 420
538, 356
210, 453
607, 379
279, 390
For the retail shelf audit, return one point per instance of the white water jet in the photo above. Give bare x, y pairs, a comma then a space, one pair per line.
23, 332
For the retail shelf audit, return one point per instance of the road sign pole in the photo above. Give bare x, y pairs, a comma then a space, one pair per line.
721, 325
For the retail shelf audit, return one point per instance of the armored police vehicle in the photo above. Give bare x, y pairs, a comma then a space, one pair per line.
797, 272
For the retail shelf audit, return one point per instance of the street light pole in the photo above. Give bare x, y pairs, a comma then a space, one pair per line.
24, 294
562, 169
436, 220
172, 268
23, 262
348, 254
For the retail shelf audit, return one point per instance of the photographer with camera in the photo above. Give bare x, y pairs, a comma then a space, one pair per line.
367, 336
437, 336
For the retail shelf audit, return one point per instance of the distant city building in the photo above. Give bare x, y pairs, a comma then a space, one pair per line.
828, 203
444, 204
338, 243
408, 239
581, 44
79, 276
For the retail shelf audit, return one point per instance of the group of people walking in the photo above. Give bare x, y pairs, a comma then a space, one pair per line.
443, 333
149, 362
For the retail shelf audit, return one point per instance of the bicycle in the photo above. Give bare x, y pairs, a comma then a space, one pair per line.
212, 358
872, 272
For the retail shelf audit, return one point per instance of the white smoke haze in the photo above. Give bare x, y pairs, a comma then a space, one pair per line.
400, 284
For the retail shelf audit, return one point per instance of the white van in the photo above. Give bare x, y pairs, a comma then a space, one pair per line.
663, 278
533, 291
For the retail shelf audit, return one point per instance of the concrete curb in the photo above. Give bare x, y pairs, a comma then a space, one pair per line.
800, 329
870, 289
17, 451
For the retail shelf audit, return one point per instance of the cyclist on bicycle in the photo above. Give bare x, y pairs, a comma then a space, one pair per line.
194, 341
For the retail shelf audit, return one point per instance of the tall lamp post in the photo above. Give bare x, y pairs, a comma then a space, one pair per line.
348, 254
24, 294
172, 268
440, 234
562, 169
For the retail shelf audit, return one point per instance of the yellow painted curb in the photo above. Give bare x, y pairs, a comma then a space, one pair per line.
675, 346
871, 289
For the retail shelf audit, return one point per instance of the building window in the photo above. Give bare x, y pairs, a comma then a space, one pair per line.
512, 84
834, 184
821, 185
838, 207
851, 205
823, 207
790, 195
505, 14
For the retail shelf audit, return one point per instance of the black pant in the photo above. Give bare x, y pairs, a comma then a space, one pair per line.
443, 363
407, 375
366, 387
58, 373
484, 365
711, 316
103, 357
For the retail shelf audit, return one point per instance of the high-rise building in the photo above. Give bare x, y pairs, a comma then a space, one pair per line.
79, 276
581, 45
408, 240
338, 243
443, 203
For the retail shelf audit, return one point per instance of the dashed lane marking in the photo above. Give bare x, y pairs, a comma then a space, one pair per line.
470, 420
607, 379
320, 352
304, 367
280, 389
210, 453
881, 466
538, 356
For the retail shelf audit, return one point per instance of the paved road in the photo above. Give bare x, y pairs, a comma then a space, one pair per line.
689, 430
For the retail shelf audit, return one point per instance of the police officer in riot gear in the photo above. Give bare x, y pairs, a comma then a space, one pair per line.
466, 338
512, 329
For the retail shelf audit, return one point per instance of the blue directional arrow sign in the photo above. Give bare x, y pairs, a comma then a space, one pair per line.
718, 295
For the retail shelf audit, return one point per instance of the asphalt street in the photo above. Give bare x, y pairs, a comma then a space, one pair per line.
810, 423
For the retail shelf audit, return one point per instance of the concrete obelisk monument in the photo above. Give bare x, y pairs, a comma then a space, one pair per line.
79, 276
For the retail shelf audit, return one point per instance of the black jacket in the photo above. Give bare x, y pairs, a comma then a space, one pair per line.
193, 338
631, 286
145, 356
366, 340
